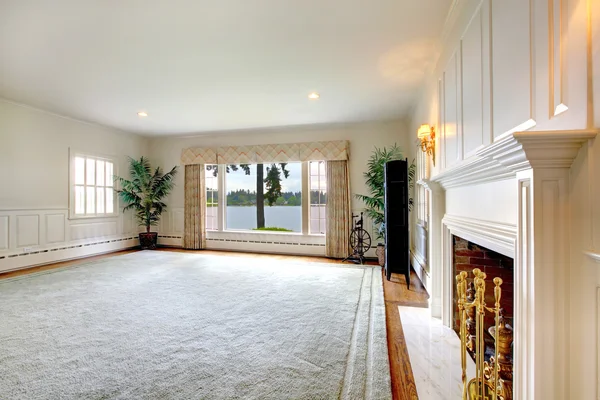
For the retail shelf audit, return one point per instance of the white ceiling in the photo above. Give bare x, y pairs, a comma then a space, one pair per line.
210, 65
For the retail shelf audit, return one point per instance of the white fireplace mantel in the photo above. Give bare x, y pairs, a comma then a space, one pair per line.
514, 153
539, 163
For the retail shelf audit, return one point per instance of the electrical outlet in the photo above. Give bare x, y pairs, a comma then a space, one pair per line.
27, 249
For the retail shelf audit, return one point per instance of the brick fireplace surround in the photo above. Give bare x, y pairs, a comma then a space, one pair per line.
468, 256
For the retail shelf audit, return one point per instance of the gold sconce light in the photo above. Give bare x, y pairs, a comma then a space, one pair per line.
426, 135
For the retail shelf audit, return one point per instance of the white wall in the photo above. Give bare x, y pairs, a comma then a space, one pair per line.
495, 75
495, 201
363, 138
34, 186
516, 65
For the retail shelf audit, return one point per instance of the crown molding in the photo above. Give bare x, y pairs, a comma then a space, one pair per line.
514, 153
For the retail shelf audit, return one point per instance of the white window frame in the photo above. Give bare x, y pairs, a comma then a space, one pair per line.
310, 197
218, 179
222, 201
422, 195
72, 185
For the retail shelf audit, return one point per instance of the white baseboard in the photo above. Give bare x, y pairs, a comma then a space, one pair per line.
66, 252
421, 270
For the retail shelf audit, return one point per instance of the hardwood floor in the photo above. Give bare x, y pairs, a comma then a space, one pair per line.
395, 293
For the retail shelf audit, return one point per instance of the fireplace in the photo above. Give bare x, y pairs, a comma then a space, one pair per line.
467, 257
517, 197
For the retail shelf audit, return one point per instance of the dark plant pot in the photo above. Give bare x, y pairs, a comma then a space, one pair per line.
148, 240
380, 254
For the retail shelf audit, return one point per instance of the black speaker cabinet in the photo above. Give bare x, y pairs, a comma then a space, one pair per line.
397, 258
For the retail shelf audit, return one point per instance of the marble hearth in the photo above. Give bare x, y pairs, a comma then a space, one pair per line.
434, 351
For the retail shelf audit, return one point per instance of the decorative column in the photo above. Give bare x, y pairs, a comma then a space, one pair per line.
542, 264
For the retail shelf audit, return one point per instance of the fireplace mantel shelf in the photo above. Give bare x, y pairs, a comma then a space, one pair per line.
517, 152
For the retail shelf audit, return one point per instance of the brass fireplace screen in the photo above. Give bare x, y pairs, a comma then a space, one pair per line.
493, 378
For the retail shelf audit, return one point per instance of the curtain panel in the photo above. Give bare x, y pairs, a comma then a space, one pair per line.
194, 237
337, 239
289, 152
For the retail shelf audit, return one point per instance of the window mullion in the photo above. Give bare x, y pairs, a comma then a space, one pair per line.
305, 197
222, 197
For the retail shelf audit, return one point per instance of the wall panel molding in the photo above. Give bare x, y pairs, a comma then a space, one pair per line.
93, 229
440, 154
4, 232
487, 71
55, 228
28, 230
452, 126
558, 27
512, 63
39, 236
472, 94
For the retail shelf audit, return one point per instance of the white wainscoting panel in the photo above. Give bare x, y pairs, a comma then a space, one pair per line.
451, 113
55, 228
28, 230
559, 21
4, 224
31, 237
512, 66
171, 223
89, 230
486, 74
472, 93
178, 221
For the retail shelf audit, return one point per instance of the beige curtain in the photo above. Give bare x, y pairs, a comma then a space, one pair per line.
338, 210
195, 207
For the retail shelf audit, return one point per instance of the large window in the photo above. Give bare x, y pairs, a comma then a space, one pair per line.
212, 197
266, 197
318, 196
92, 193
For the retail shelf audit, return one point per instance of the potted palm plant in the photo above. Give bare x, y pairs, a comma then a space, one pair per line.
144, 194
374, 201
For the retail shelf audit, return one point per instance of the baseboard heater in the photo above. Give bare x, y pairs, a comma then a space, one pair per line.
30, 253
265, 242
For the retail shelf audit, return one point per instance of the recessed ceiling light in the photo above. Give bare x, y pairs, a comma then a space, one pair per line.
314, 96
142, 114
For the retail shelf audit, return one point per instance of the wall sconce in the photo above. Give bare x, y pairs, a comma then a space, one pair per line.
426, 135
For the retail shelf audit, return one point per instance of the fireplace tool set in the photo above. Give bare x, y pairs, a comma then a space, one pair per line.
493, 379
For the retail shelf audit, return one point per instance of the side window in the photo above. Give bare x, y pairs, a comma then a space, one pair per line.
92, 192
318, 196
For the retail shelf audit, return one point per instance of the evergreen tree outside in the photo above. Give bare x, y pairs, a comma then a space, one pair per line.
246, 198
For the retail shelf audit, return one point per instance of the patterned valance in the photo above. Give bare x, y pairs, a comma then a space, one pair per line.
307, 151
